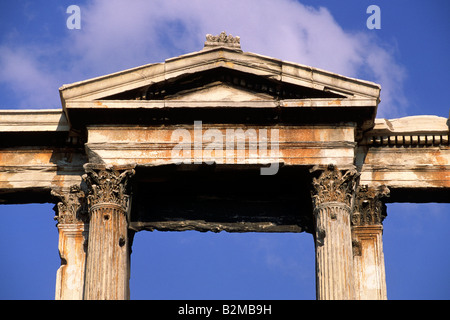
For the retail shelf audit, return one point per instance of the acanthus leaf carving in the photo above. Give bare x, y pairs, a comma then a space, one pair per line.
107, 185
334, 186
370, 208
72, 205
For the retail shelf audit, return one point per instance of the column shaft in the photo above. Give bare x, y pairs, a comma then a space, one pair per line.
70, 275
73, 229
368, 262
332, 196
334, 265
108, 254
108, 263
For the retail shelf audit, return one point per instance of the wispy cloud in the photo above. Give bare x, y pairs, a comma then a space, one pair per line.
28, 78
119, 34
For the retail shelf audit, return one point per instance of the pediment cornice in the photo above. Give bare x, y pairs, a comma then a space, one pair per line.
215, 58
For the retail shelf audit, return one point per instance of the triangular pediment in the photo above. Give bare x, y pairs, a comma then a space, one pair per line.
219, 91
221, 84
243, 75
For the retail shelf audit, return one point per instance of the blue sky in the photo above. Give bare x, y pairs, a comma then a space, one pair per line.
408, 56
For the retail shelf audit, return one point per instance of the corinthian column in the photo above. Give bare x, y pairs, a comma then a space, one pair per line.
332, 196
367, 232
107, 264
73, 227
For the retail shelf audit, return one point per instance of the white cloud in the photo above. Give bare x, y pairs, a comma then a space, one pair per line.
119, 34
28, 78
115, 33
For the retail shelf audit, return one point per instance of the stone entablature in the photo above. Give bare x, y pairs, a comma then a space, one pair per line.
408, 132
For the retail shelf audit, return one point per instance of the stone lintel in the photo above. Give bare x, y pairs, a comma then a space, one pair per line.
33, 120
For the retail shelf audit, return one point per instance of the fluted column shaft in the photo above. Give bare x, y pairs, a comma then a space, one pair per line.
367, 233
332, 202
107, 264
334, 264
108, 254
70, 275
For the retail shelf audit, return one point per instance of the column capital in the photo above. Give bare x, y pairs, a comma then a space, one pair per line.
334, 186
369, 205
71, 208
107, 185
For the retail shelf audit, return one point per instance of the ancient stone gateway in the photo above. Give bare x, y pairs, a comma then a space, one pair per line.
221, 140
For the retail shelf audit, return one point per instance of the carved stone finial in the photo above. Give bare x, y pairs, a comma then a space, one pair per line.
223, 40
369, 206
